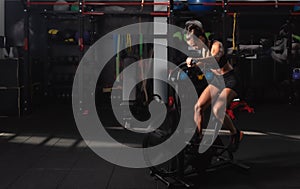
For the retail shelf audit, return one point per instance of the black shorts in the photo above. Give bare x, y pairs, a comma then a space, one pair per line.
230, 81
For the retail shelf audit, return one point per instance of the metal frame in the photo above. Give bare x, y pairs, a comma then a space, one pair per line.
225, 4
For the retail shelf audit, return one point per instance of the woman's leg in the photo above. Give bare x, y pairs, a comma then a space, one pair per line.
219, 108
205, 99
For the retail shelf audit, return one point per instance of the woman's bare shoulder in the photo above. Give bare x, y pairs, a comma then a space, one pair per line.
217, 43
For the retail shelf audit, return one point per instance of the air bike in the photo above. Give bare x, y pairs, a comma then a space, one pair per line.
188, 161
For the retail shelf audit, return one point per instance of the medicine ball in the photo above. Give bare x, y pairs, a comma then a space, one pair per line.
178, 5
61, 7
296, 8
197, 5
74, 8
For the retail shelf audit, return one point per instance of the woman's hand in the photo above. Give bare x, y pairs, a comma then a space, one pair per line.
189, 61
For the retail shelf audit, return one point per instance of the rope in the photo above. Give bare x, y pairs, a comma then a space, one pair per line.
234, 32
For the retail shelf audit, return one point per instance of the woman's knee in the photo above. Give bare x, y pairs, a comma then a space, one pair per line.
199, 108
219, 112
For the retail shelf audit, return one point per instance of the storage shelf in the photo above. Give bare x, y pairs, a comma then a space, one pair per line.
93, 9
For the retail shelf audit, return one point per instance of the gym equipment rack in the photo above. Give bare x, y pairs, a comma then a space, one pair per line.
225, 7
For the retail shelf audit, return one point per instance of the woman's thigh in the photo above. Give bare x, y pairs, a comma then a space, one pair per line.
224, 98
209, 95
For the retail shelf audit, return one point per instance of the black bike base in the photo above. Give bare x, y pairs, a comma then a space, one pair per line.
178, 179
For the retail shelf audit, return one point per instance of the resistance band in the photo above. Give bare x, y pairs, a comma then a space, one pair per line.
144, 82
128, 42
297, 37
118, 58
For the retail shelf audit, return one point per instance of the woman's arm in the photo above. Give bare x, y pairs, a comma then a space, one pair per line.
217, 51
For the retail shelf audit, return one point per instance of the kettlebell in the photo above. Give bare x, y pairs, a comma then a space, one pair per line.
296, 73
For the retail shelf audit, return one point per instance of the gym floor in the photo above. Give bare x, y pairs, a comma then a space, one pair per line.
45, 150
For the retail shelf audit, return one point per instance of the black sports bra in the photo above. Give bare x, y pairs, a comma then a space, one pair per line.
223, 61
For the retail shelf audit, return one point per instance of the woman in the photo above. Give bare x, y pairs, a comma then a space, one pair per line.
213, 51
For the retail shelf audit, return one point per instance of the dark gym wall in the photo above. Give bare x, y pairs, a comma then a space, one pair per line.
13, 22
14, 28
2, 18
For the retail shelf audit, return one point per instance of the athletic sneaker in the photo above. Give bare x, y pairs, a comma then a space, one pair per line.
193, 144
196, 139
235, 140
